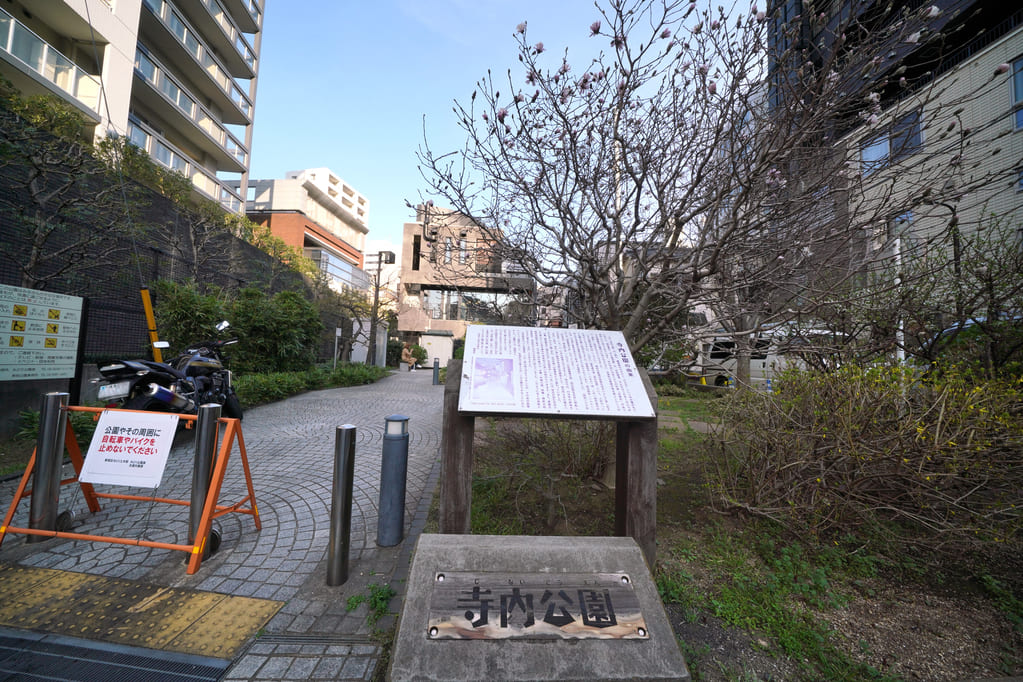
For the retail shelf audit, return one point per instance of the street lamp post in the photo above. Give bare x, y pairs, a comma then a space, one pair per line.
371, 355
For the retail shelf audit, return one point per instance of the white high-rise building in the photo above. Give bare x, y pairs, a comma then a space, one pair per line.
178, 77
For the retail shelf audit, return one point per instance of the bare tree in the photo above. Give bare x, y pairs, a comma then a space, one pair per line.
65, 210
703, 159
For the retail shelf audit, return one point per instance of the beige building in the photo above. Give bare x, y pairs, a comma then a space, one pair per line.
177, 77
964, 130
452, 275
316, 211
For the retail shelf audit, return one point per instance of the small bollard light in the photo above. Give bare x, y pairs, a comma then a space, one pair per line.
393, 469
396, 425
436, 371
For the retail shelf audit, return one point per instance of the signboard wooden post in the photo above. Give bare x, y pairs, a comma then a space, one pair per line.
559, 374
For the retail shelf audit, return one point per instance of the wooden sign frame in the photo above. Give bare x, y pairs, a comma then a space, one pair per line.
635, 466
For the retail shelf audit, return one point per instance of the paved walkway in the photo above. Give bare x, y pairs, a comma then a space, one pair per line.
290, 448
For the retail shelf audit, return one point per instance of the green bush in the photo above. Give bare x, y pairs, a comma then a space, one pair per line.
259, 389
879, 448
82, 423
184, 315
276, 334
394, 353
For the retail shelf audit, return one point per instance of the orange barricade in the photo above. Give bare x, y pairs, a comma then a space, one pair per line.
211, 509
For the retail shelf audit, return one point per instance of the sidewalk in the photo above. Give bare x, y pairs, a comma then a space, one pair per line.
290, 447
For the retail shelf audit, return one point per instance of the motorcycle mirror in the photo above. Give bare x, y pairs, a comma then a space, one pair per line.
161, 344
223, 325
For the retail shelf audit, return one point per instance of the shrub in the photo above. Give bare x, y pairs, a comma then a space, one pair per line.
940, 458
394, 353
82, 423
184, 315
538, 467
276, 334
259, 389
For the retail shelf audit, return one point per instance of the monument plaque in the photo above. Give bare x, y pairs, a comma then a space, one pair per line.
562, 372
487, 605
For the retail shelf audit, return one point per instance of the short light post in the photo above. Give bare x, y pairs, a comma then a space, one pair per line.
393, 469
371, 355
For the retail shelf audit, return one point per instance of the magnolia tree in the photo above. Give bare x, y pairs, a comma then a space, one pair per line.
697, 157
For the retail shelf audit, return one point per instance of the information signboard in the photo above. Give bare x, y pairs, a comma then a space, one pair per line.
567, 372
38, 334
129, 448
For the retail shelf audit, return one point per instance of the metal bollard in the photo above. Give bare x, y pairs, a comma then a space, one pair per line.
49, 464
341, 506
393, 468
206, 431
436, 371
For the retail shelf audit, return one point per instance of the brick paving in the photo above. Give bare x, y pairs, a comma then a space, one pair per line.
290, 447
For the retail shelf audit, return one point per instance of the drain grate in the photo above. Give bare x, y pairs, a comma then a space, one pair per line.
26, 655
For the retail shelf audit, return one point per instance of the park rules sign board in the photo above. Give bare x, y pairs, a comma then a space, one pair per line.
565, 372
129, 448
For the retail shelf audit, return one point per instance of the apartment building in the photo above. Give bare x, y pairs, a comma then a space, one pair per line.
316, 211
948, 109
452, 275
177, 77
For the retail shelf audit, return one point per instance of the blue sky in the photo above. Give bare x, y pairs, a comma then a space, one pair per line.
346, 84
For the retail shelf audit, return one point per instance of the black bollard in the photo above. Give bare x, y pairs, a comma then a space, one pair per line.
393, 468
436, 371
49, 464
341, 506
206, 431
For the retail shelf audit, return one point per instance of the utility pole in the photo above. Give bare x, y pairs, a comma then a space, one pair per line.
371, 355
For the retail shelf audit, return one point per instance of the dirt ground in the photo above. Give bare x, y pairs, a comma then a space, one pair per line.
905, 634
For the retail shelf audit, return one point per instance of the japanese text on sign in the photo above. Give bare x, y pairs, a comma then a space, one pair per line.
502, 606
129, 448
38, 334
530, 370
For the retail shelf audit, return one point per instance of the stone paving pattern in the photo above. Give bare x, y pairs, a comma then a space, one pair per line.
290, 448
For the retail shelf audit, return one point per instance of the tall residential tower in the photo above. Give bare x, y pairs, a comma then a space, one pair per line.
178, 77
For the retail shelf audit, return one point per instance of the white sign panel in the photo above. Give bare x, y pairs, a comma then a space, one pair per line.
38, 334
129, 448
530, 370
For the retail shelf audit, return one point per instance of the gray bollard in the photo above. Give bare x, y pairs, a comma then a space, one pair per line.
436, 371
393, 468
49, 465
341, 506
207, 428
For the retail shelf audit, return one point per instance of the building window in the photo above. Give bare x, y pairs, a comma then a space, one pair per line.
463, 252
447, 250
1017, 92
417, 246
874, 154
906, 137
901, 140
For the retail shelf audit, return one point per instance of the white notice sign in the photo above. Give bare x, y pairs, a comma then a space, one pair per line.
129, 448
38, 334
530, 370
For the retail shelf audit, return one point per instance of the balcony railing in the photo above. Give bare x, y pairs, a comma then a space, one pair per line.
237, 37
154, 74
20, 42
188, 39
169, 157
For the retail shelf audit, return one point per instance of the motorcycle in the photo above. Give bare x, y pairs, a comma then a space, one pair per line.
198, 375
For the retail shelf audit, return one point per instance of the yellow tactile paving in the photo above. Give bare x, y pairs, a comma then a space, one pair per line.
129, 612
